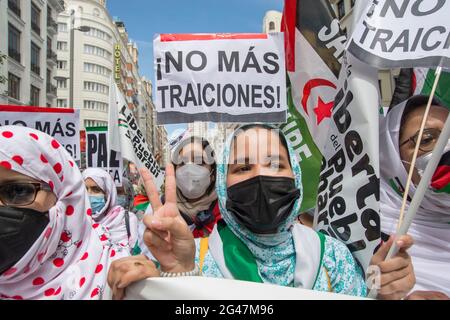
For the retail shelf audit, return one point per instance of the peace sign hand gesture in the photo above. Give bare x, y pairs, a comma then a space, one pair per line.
167, 235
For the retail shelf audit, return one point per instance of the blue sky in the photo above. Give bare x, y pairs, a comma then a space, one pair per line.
144, 18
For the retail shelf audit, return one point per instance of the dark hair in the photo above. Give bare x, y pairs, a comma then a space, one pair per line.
247, 127
205, 146
416, 102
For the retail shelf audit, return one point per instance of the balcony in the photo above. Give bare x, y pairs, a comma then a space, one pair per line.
51, 89
52, 25
36, 69
36, 28
12, 5
14, 54
52, 56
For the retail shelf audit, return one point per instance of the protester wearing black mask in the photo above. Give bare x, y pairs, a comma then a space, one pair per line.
50, 247
24, 205
260, 192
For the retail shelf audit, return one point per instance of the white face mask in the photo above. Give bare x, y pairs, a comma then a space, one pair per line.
193, 180
422, 161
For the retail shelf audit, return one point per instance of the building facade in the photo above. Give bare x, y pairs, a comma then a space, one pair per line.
272, 21
102, 52
28, 29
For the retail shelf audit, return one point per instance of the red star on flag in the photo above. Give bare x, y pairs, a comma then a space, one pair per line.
323, 110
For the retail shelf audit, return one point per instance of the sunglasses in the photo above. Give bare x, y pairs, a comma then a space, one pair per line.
429, 138
21, 193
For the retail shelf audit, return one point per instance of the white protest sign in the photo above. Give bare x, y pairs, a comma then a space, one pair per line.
349, 187
133, 145
403, 33
220, 78
97, 155
61, 124
207, 288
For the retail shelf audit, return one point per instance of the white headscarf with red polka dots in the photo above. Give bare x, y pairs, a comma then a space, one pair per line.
112, 216
71, 258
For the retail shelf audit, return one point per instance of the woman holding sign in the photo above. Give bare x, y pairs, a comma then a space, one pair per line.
431, 226
102, 192
50, 247
260, 192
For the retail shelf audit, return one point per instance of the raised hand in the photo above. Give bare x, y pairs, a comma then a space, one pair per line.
167, 236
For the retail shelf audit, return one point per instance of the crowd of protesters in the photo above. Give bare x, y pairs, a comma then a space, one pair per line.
231, 213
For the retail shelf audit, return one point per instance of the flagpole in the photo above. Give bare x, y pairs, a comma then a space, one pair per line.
403, 225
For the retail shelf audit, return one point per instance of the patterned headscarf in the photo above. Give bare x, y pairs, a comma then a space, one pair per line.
274, 254
71, 258
112, 216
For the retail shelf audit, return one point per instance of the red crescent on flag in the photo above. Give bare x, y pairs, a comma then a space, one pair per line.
311, 84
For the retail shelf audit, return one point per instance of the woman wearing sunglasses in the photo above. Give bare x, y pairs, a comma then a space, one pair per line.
431, 227
50, 248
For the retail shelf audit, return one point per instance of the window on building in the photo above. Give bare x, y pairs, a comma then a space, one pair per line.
88, 49
62, 64
94, 32
61, 103
96, 12
35, 19
49, 12
271, 26
96, 87
341, 9
49, 79
34, 95
35, 58
61, 84
352, 3
14, 6
13, 43
95, 105
13, 86
61, 45
62, 27
94, 123
98, 69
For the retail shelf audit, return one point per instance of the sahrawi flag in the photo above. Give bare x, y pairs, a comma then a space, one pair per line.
314, 47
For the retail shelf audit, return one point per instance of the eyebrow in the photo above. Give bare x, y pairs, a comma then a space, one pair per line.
246, 160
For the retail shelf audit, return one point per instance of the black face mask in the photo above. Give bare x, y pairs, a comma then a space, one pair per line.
19, 230
262, 203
